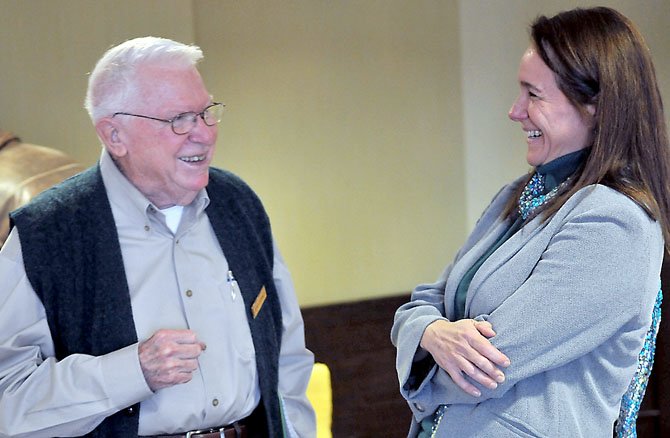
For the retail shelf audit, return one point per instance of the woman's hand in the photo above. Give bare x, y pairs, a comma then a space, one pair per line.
462, 347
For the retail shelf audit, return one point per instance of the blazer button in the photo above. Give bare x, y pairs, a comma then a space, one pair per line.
419, 407
131, 411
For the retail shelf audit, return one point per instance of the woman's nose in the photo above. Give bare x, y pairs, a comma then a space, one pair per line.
518, 111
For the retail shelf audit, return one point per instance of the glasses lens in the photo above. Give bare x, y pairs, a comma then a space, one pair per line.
212, 114
184, 123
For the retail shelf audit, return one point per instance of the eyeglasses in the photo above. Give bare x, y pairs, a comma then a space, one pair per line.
185, 122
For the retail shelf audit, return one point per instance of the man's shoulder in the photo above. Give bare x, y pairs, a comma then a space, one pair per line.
70, 193
229, 192
222, 176
224, 182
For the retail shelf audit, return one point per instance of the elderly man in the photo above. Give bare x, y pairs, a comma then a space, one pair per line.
146, 296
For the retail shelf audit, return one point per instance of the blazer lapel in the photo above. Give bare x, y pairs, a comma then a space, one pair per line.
468, 259
503, 255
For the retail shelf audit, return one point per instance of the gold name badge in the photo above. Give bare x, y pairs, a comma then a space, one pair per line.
258, 302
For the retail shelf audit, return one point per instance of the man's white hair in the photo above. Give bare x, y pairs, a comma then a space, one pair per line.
112, 84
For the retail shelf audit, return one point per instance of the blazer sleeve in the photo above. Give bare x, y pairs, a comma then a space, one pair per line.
427, 303
596, 279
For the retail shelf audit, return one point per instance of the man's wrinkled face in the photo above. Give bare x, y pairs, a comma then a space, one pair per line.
169, 169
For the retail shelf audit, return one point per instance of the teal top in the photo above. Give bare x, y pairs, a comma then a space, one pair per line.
554, 172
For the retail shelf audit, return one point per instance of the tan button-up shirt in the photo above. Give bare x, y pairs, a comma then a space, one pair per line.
177, 280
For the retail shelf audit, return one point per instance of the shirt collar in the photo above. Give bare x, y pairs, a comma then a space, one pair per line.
559, 169
126, 197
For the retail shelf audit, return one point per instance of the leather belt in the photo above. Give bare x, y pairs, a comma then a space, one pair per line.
235, 430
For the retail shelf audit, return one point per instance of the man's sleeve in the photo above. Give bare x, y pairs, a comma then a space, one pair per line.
43, 397
295, 360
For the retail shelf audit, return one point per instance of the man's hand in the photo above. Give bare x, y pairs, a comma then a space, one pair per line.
169, 357
462, 347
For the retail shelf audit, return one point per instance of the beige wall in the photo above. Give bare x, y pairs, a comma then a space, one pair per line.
375, 131
343, 116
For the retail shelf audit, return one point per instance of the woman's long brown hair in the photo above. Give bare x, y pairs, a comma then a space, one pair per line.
599, 57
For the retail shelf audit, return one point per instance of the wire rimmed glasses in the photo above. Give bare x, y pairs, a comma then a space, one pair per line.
185, 122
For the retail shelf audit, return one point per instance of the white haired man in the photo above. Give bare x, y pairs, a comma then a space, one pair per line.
153, 299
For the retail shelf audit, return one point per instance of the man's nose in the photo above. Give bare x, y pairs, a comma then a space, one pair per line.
203, 133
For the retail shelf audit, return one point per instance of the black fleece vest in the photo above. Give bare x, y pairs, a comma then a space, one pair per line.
73, 260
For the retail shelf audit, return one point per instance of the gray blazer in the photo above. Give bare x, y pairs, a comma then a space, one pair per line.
570, 300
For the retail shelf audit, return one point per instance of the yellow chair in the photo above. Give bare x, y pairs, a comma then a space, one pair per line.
319, 393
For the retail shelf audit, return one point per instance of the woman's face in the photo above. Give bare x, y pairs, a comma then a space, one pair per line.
553, 125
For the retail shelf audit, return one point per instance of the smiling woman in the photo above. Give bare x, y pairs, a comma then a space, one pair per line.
536, 327
555, 126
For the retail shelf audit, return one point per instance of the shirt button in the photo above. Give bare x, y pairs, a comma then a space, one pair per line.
189, 293
215, 402
147, 228
419, 407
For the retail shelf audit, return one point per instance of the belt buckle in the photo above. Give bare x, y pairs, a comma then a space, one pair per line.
192, 433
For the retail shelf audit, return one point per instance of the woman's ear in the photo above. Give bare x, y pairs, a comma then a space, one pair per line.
591, 108
112, 137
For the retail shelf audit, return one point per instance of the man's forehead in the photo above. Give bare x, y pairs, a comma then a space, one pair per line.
152, 75
169, 86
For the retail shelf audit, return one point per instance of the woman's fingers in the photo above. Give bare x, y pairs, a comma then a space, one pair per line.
459, 379
462, 349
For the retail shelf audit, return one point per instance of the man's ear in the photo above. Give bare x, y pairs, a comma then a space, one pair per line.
112, 136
